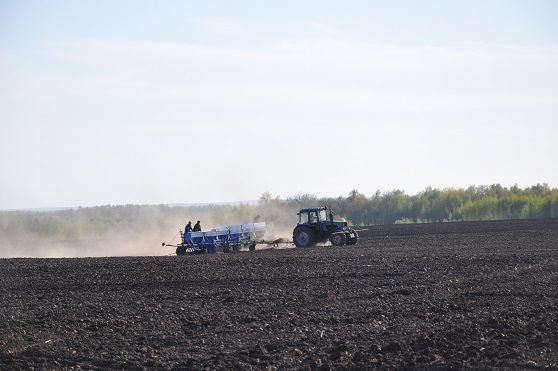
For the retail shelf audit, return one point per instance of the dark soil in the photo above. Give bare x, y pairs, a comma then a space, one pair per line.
455, 295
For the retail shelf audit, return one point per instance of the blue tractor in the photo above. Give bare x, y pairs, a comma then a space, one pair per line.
317, 225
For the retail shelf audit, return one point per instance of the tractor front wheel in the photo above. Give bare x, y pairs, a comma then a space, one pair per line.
338, 239
304, 237
352, 237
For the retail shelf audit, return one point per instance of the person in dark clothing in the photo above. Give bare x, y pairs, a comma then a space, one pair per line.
188, 227
197, 227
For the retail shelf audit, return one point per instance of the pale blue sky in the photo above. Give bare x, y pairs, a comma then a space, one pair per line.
189, 101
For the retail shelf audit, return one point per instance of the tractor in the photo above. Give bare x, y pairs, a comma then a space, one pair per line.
317, 225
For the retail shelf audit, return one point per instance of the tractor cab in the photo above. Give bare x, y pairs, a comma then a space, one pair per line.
314, 216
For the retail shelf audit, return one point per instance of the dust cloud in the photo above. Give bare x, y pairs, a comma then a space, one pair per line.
140, 234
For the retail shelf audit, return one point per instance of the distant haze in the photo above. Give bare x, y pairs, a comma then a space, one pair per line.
192, 102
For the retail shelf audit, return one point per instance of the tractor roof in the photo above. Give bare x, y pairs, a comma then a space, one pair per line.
310, 209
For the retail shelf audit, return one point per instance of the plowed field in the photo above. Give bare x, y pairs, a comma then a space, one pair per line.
453, 295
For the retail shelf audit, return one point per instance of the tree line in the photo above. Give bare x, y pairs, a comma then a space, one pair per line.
492, 202
431, 205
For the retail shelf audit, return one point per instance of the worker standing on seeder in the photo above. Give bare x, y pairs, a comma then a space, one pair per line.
197, 227
188, 227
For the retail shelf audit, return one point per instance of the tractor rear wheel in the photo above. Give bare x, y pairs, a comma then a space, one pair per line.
181, 251
304, 237
338, 239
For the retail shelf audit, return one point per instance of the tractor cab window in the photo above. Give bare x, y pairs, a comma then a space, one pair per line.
323, 215
310, 217
313, 217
